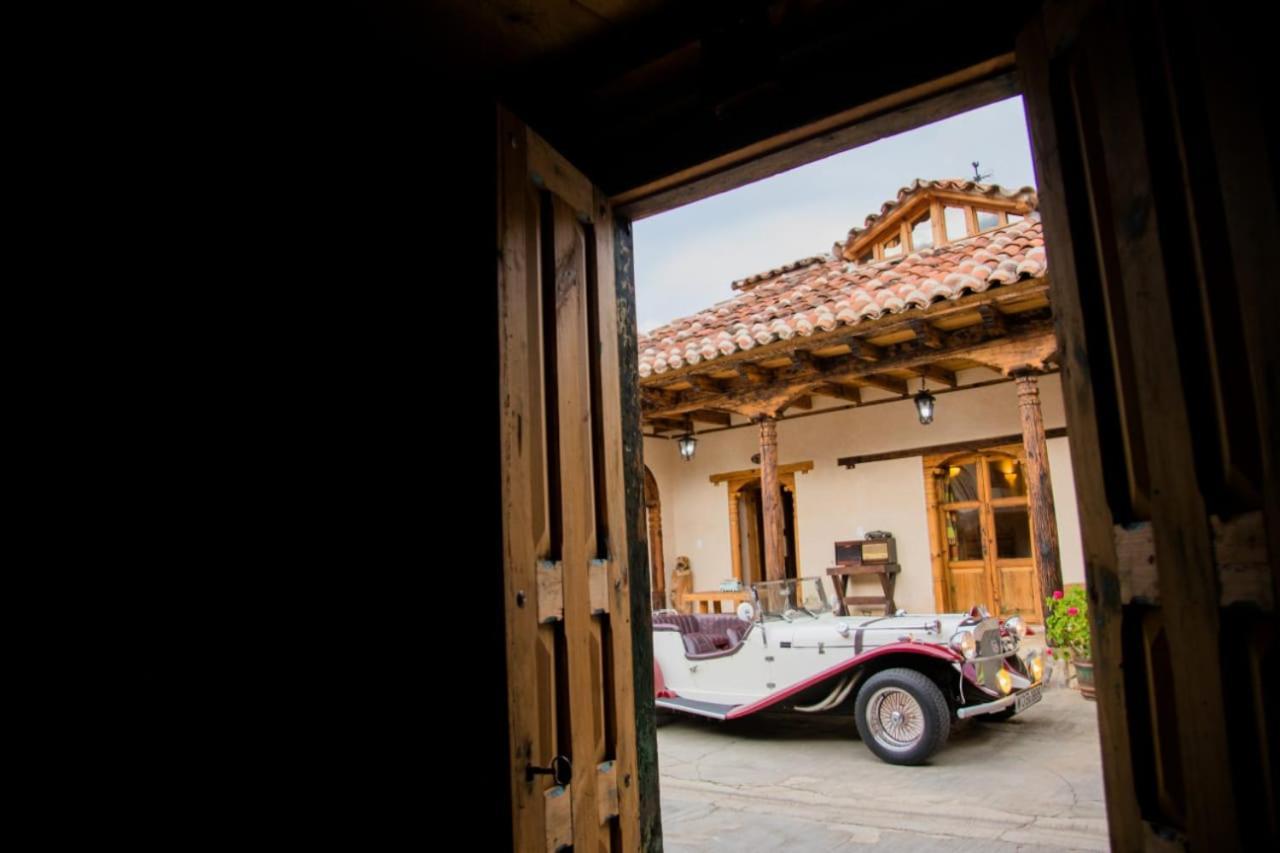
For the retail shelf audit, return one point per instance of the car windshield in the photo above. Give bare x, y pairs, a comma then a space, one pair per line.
789, 600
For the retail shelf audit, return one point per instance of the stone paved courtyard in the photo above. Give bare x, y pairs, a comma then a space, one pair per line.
799, 783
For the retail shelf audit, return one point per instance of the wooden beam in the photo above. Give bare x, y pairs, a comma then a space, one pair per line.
705, 383
656, 398
752, 373
886, 383
970, 445
927, 333
667, 424
1008, 356
1030, 344
937, 374
992, 320
859, 348
708, 417
848, 393
917, 106
938, 221
888, 324
802, 356
801, 402
754, 473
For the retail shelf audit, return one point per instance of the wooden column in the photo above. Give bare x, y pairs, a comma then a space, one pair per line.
1044, 523
771, 497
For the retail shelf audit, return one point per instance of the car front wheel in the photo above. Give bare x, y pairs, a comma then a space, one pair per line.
902, 716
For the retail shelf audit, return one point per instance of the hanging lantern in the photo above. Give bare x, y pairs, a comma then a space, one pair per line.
924, 404
688, 444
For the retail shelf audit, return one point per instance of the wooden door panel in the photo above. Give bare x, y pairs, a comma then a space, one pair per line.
569, 636
1019, 591
968, 585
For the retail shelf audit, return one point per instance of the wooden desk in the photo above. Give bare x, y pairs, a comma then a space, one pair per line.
888, 574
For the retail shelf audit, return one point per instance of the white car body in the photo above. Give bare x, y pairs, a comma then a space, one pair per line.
811, 659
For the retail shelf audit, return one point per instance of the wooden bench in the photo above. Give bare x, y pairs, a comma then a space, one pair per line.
712, 602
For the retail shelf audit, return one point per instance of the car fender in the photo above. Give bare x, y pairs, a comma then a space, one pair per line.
923, 649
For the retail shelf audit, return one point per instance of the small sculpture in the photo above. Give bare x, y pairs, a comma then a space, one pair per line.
681, 582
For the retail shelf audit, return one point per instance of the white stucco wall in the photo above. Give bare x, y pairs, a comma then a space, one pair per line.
833, 502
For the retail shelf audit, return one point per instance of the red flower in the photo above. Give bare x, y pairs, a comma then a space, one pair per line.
1057, 594
1049, 652
1073, 611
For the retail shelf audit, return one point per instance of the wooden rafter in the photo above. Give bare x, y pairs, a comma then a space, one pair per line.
860, 349
927, 334
1031, 340
667, 424
705, 383
848, 393
708, 417
937, 374
992, 319
746, 362
892, 384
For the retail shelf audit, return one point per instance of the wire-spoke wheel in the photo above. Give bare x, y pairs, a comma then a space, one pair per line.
895, 718
902, 716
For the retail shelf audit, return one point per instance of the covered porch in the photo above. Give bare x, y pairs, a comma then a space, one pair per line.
804, 408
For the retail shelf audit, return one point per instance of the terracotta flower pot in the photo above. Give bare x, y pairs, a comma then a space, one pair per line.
1084, 677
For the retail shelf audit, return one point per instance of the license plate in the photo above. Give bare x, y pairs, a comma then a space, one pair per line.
1027, 698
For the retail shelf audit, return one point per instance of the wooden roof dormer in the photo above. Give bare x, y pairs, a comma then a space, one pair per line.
931, 214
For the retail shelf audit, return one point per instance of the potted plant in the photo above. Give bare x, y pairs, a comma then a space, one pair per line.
1066, 624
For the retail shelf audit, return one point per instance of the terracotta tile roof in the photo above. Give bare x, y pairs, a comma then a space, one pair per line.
972, 188
823, 295
777, 271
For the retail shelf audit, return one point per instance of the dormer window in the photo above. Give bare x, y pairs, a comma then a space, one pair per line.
933, 214
957, 227
922, 233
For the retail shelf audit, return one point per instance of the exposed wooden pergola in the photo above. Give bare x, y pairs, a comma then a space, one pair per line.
1005, 327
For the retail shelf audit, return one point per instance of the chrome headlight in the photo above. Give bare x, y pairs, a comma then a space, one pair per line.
964, 643
1016, 627
1036, 667
1005, 680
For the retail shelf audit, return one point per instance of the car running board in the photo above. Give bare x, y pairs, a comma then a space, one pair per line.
691, 706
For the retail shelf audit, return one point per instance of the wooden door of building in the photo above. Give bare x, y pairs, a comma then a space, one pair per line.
567, 549
746, 522
982, 532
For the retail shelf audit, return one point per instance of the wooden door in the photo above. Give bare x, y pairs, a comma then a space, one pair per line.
986, 546
571, 684
1155, 160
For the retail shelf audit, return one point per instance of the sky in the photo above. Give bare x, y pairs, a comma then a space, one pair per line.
686, 259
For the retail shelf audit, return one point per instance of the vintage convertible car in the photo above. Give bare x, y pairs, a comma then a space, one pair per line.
907, 675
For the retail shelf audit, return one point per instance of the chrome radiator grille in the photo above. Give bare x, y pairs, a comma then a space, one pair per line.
990, 643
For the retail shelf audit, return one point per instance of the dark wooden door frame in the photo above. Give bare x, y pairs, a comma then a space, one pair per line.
1130, 590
